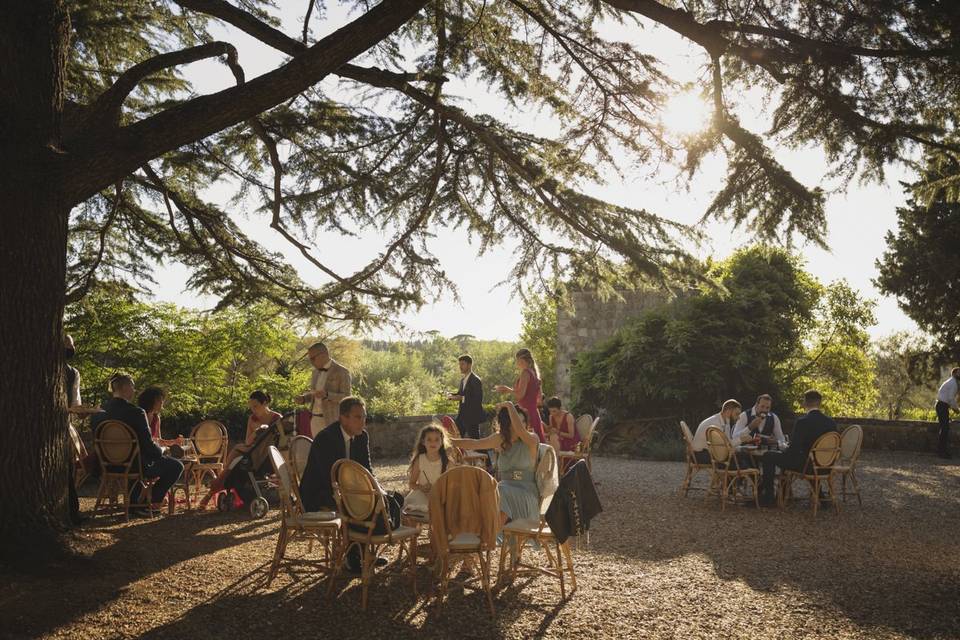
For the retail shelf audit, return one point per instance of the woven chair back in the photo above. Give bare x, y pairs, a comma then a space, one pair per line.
358, 489
826, 450
582, 425
718, 444
299, 452
209, 439
116, 443
850, 441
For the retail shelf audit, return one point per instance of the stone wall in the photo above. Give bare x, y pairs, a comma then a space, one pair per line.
591, 321
395, 438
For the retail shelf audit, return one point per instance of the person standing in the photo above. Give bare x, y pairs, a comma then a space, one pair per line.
805, 433
526, 390
329, 385
71, 388
470, 396
946, 400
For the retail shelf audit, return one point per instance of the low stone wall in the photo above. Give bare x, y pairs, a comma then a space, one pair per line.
395, 438
659, 438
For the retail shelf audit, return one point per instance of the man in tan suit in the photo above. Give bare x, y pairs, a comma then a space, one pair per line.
329, 385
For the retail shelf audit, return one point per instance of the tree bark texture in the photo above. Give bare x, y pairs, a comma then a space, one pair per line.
33, 236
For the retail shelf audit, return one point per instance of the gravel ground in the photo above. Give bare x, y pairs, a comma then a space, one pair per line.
657, 566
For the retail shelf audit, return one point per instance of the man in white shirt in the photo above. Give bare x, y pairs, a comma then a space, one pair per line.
724, 420
759, 420
946, 400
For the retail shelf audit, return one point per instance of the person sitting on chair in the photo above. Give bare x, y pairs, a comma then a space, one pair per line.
151, 401
344, 439
759, 420
723, 420
805, 432
153, 462
561, 429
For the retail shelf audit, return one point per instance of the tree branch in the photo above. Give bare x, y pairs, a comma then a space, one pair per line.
105, 157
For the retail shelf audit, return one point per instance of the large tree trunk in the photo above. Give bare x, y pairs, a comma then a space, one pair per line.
33, 471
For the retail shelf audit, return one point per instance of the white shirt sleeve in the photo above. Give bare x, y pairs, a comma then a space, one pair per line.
948, 392
740, 428
700, 437
778, 431
75, 392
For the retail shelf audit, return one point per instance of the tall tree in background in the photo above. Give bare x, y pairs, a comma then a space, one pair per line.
102, 136
920, 266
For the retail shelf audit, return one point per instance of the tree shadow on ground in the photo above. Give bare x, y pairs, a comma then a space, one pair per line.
888, 563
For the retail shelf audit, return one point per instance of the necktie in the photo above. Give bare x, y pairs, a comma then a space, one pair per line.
348, 443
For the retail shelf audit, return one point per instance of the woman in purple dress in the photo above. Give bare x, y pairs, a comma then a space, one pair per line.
526, 389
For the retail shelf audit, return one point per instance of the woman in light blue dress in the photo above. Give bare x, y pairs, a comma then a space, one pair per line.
517, 463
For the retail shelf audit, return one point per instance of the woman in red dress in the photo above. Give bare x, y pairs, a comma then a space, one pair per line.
151, 401
526, 390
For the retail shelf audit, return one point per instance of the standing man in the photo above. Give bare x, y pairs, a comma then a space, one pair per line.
946, 400
759, 420
329, 385
470, 396
805, 432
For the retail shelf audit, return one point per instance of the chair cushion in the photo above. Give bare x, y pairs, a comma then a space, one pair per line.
399, 533
465, 541
527, 526
307, 522
320, 515
571, 454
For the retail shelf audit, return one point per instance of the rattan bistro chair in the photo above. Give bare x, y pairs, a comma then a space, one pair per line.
586, 426
210, 441
299, 452
817, 469
467, 543
726, 468
693, 467
118, 451
295, 523
361, 504
517, 533
846, 467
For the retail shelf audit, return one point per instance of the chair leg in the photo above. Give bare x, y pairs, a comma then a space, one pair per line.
687, 478
484, 558
278, 552
815, 495
833, 496
843, 487
413, 564
856, 486
569, 557
340, 550
368, 554
756, 491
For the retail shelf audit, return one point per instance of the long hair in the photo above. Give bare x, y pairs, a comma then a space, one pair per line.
526, 356
149, 396
420, 447
506, 426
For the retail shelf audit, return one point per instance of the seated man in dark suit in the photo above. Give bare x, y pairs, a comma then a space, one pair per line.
154, 463
806, 430
345, 438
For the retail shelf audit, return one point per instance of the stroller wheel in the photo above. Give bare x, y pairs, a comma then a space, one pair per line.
224, 501
259, 508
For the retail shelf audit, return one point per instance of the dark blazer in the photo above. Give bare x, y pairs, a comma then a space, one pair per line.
316, 487
806, 430
471, 408
574, 504
136, 419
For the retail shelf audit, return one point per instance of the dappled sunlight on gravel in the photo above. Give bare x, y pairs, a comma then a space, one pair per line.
657, 566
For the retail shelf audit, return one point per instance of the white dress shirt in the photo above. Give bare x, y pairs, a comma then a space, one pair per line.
316, 408
346, 441
700, 437
948, 392
741, 431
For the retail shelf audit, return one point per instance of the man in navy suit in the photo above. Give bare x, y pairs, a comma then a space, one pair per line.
344, 439
806, 430
154, 463
470, 396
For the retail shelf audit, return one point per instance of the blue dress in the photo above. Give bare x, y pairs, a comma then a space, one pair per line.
519, 496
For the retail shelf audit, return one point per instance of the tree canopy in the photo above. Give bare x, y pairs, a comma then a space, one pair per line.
769, 327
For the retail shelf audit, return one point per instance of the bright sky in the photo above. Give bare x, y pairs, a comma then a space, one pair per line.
858, 220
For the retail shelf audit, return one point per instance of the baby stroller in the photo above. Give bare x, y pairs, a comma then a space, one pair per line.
248, 473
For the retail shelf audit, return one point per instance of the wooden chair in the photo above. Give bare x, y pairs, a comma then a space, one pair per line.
693, 467
586, 426
361, 503
846, 467
210, 441
517, 533
465, 544
818, 467
295, 523
472, 458
118, 451
727, 473
79, 455
299, 452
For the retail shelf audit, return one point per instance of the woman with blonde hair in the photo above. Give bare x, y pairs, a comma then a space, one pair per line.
526, 390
